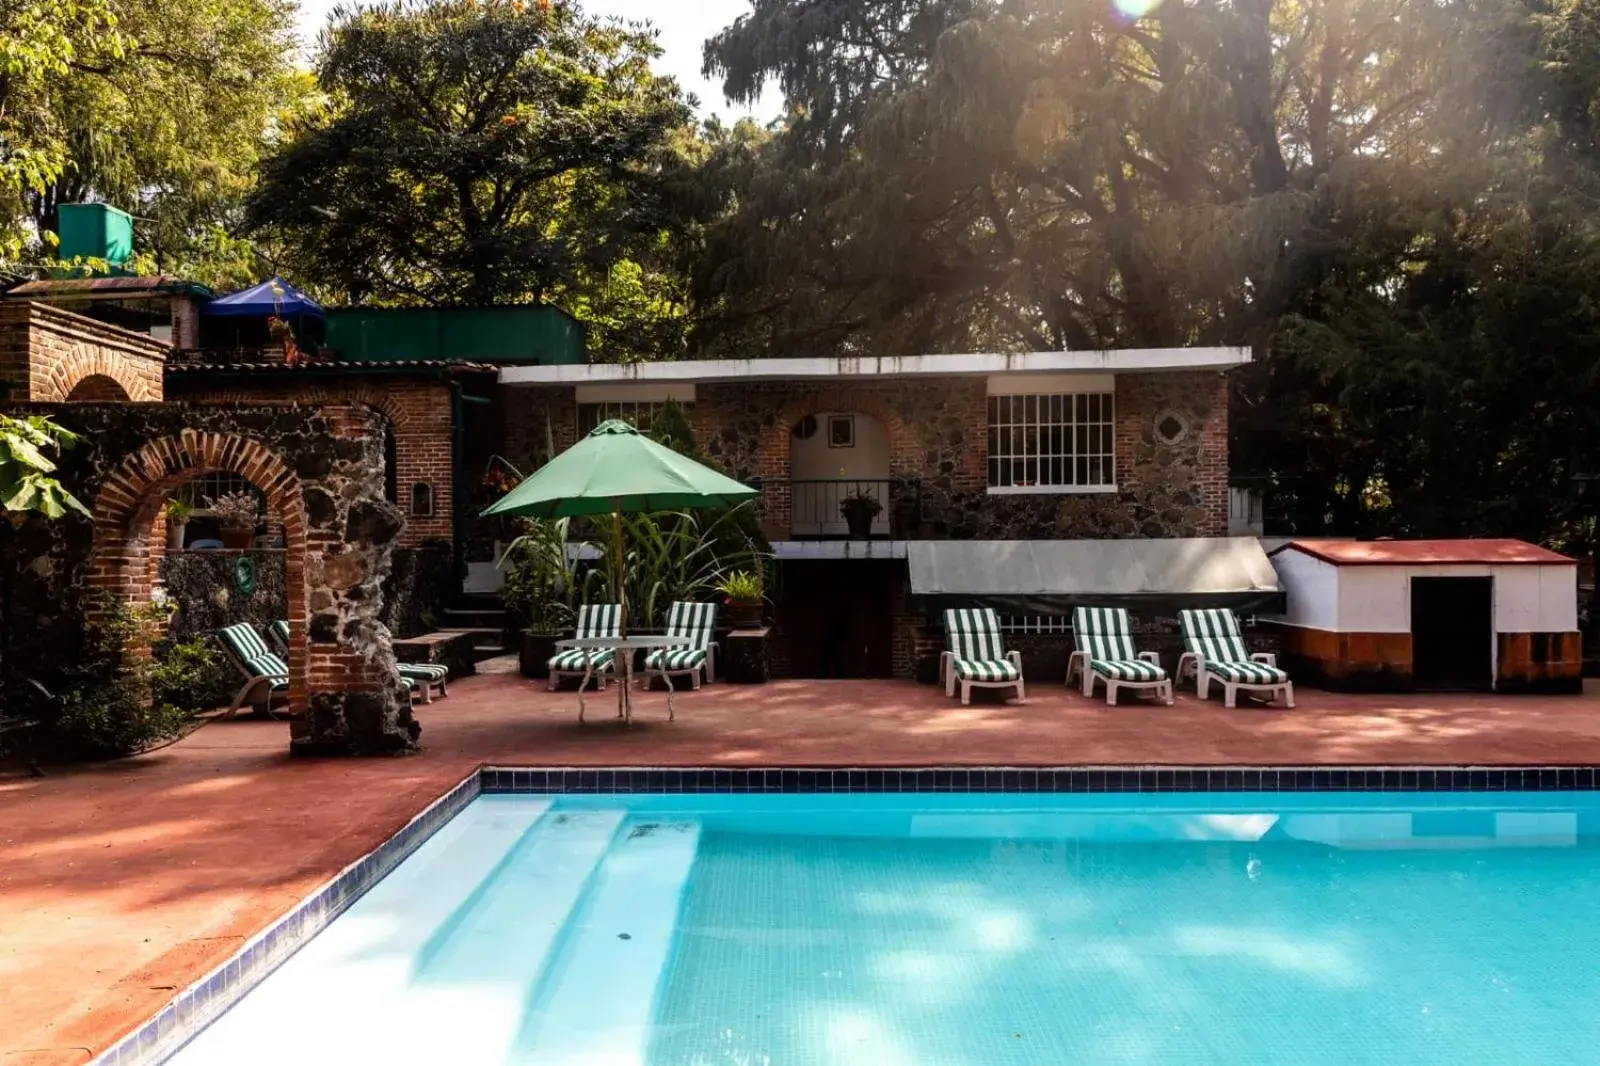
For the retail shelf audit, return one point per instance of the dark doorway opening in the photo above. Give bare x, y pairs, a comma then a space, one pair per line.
838, 616
1452, 633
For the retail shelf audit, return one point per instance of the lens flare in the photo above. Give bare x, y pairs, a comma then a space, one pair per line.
1134, 9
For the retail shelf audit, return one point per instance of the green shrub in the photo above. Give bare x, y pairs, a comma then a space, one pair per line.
119, 704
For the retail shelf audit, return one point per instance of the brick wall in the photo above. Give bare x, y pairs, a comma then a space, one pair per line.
49, 355
418, 411
937, 433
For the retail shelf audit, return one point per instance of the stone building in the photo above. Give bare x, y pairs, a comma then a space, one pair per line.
986, 449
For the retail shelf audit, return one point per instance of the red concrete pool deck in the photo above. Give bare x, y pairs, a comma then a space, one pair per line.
122, 883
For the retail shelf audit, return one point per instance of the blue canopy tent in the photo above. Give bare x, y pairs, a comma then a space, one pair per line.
274, 296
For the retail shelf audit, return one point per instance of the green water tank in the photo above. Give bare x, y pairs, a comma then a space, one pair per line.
532, 333
94, 231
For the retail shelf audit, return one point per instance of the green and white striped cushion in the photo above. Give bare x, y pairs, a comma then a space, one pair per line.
987, 670
1213, 633
571, 661
1127, 669
1248, 673
1105, 633
599, 620
423, 671
243, 641
280, 633
973, 633
674, 659
697, 622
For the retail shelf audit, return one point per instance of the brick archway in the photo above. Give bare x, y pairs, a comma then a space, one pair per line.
98, 388
126, 547
773, 456
99, 368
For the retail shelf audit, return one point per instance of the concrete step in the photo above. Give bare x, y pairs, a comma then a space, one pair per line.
458, 619
486, 643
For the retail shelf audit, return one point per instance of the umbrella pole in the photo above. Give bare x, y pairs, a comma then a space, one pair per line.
623, 698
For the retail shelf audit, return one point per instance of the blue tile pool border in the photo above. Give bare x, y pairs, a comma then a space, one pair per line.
202, 1002
208, 998
502, 780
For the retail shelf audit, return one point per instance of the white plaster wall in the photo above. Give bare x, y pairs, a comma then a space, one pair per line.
1311, 589
816, 508
1527, 599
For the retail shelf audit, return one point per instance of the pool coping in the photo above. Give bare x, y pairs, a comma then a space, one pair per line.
202, 1002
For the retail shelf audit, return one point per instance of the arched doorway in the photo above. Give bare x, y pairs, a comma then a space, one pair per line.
98, 388
836, 457
129, 533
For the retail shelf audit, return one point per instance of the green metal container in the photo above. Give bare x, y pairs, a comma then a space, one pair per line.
94, 231
538, 334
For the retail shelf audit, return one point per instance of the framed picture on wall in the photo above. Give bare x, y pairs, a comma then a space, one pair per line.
841, 431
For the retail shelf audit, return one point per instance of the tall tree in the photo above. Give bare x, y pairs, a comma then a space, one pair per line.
162, 109
484, 152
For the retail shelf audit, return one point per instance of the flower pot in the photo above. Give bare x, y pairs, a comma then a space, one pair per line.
237, 538
745, 615
175, 534
533, 657
858, 519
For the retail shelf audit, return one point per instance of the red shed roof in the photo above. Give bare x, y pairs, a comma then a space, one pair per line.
1428, 552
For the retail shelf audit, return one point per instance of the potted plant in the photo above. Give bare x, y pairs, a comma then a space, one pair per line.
742, 594
541, 583
177, 513
236, 514
859, 509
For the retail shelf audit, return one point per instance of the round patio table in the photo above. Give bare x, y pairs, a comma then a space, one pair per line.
624, 647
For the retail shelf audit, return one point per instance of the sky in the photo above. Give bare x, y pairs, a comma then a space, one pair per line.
684, 26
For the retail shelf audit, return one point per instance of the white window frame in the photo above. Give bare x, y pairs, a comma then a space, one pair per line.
1021, 389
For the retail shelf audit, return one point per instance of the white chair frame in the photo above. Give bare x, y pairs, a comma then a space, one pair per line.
947, 675
1193, 664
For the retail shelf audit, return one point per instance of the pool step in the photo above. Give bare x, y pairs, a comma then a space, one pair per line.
476, 974
360, 965
593, 1005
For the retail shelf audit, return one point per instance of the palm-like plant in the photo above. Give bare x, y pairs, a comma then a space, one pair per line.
541, 576
672, 556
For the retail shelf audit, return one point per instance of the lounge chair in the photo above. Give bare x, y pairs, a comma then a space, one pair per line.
1106, 653
697, 621
594, 620
977, 657
423, 678
1215, 651
257, 662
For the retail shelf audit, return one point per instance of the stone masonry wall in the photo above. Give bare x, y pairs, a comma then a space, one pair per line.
46, 353
321, 471
204, 586
419, 412
938, 434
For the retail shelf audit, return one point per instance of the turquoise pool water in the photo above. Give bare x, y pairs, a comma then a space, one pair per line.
959, 929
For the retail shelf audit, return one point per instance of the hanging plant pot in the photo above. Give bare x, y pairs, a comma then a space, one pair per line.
237, 538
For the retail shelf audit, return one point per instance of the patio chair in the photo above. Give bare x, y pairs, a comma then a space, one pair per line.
594, 620
1214, 651
257, 662
977, 657
697, 621
1105, 653
422, 678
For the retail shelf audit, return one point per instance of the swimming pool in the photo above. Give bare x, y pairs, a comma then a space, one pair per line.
958, 929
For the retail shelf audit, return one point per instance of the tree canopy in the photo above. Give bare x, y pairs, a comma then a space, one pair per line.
1388, 200
486, 152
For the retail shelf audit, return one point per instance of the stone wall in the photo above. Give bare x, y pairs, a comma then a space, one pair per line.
321, 472
205, 587
420, 584
419, 412
938, 434
50, 355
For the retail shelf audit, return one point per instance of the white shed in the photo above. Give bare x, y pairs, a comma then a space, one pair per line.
1439, 614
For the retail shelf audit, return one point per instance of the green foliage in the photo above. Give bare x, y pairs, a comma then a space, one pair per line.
1389, 201
163, 109
177, 511
541, 584
487, 152
741, 586
673, 556
117, 703
25, 468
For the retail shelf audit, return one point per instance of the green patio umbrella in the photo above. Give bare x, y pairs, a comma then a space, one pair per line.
615, 469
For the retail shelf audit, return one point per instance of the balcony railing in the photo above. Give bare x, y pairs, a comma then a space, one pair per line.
265, 354
816, 506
